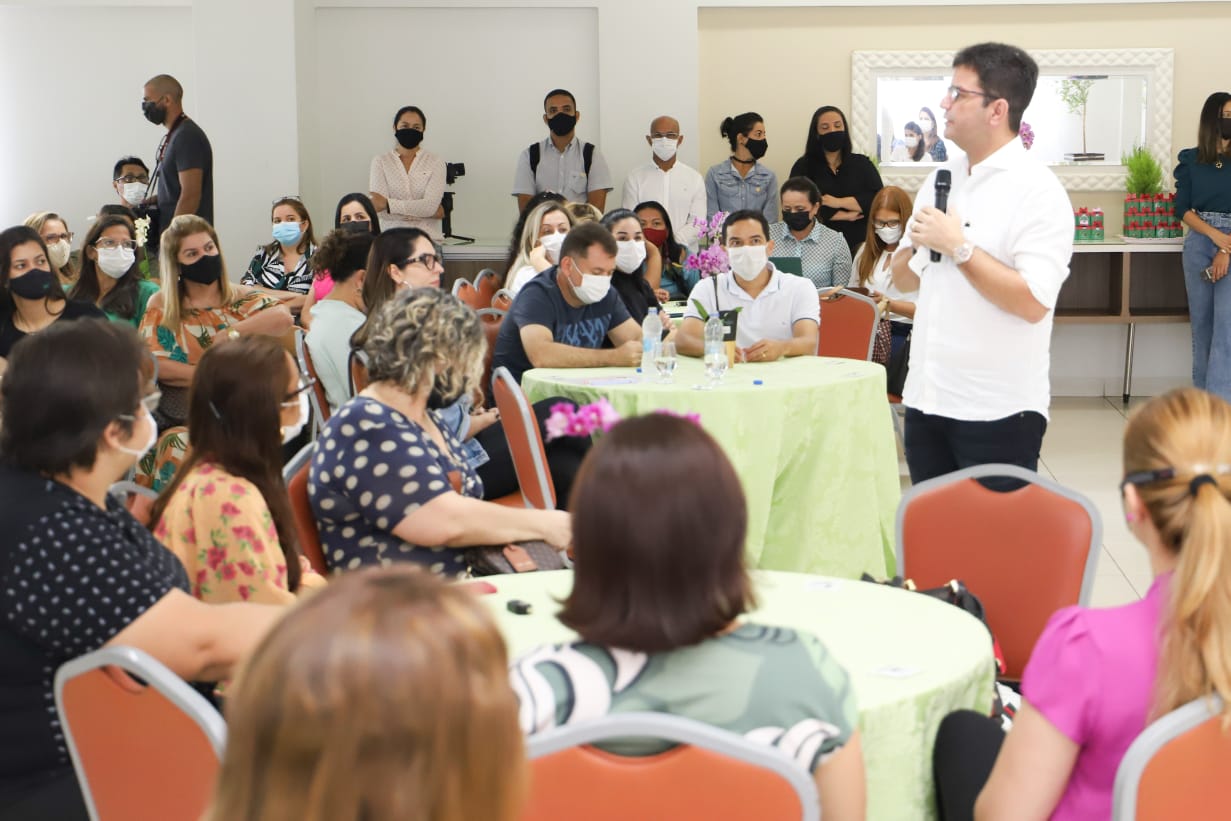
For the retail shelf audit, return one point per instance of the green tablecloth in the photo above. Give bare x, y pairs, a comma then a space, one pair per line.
912, 660
813, 445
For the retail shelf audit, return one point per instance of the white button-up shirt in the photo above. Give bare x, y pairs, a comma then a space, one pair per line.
562, 172
414, 195
969, 359
785, 300
681, 191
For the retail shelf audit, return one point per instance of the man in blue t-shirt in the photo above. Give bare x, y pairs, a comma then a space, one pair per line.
561, 317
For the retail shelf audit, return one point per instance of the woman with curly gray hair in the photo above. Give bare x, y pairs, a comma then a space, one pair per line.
381, 480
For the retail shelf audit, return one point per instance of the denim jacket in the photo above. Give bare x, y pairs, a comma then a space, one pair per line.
456, 418
726, 190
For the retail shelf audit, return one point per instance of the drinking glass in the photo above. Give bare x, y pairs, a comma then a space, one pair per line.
664, 362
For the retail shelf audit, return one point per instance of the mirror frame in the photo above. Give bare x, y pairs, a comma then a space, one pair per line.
1156, 65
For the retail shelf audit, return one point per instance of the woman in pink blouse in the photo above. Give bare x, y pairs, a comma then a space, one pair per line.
408, 183
1097, 677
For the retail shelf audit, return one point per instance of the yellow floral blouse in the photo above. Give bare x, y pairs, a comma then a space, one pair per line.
221, 529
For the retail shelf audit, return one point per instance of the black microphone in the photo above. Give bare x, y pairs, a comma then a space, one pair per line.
944, 181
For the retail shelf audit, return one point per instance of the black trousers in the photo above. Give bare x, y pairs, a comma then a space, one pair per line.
967, 744
936, 445
56, 796
564, 457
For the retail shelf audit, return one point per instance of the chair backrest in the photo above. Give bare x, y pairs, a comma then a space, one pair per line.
357, 373
1025, 553
158, 468
320, 402
1179, 767
486, 283
789, 265
713, 775
142, 752
848, 325
521, 428
464, 290
137, 499
491, 319
296, 474
502, 300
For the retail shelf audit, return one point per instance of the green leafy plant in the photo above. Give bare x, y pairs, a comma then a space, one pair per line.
1145, 175
1075, 92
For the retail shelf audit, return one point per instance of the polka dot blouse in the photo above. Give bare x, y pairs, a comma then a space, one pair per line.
373, 467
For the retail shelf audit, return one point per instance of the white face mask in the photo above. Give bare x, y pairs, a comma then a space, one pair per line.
134, 192
747, 261
551, 244
889, 235
593, 288
912, 142
291, 431
115, 262
140, 452
58, 253
663, 148
630, 256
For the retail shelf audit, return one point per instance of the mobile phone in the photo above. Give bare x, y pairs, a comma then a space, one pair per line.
1208, 274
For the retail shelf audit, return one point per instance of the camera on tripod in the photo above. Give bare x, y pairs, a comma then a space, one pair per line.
453, 170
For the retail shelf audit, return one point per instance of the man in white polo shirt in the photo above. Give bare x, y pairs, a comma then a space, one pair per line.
978, 387
781, 313
669, 182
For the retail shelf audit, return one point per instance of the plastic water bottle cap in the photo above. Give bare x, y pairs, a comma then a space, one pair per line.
638, 370
757, 382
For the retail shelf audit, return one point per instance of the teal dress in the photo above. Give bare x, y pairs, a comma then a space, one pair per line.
146, 288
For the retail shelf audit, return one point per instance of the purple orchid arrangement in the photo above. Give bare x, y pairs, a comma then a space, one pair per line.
1027, 134
711, 260
567, 419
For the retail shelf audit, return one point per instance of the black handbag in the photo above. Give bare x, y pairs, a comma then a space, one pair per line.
521, 557
899, 364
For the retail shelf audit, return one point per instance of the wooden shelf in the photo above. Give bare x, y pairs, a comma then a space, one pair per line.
1124, 283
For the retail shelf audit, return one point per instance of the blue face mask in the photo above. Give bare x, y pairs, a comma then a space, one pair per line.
287, 233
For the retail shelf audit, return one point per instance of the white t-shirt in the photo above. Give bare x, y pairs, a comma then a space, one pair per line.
328, 340
772, 315
969, 359
520, 277
881, 282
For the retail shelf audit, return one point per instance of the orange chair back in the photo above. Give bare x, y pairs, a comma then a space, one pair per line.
491, 331
467, 293
502, 300
139, 755
848, 325
358, 373
521, 428
305, 520
486, 283
1025, 553
320, 403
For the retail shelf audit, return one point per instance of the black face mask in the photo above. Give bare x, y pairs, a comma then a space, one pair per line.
797, 220
1224, 128
833, 141
757, 148
154, 112
205, 271
562, 124
34, 284
357, 227
409, 138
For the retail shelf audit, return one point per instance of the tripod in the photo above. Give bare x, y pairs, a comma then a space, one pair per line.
446, 222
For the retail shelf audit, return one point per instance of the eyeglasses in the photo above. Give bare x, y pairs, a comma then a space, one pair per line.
955, 93
293, 396
133, 178
149, 402
110, 244
889, 224
670, 135
428, 261
54, 238
1146, 477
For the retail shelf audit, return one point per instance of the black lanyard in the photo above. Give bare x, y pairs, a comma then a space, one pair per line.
162, 150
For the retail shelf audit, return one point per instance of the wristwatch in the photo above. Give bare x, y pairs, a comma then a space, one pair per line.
963, 253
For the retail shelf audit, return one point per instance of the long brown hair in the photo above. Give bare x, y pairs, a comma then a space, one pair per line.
233, 418
392, 247
401, 709
889, 198
1209, 138
1189, 431
121, 300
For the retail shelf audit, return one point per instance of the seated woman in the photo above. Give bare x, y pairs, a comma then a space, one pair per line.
31, 297
541, 238
355, 213
196, 304
280, 269
913, 147
76, 419
658, 613
344, 257
822, 252
121, 292
401, 710
636, 255
890, 209
380, 482
1096, 677
932, 143
519, 226
675, 281
405, 258
226, 515
58, 239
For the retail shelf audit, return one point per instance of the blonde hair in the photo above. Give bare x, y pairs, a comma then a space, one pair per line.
40, 218
1189, 431
182, 227
383, 697
530, 235
426, 335
583, 212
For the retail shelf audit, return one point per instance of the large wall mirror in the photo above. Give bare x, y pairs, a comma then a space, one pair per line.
1088, 109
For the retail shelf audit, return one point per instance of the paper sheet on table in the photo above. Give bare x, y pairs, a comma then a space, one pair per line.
604, 381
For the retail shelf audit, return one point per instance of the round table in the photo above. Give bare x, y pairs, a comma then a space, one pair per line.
912, 660
810, 437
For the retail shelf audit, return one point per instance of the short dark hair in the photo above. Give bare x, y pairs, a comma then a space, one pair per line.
63, 386
732, 127
556, 92
409, 109
584, 236
802, 185
1208, 134
656, 572
1005, 72
740, 216
368, 208
123, 161
812, 146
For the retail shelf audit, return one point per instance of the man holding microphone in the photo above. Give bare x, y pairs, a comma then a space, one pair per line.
988, 264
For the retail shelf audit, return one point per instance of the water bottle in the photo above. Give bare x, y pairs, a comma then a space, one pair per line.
715, 349
651, 335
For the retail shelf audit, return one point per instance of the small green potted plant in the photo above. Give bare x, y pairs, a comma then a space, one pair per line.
1144, 205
